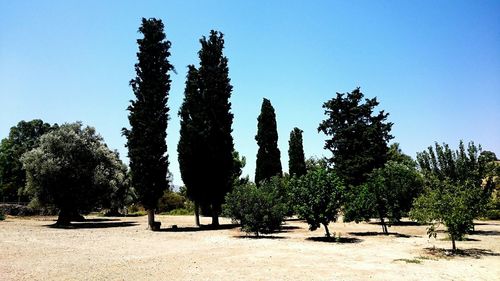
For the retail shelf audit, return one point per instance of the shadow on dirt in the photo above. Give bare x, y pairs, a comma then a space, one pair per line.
90, 224
374, 233
472, 252
270, 237
485, 232
400, 223
340, 240
201, 228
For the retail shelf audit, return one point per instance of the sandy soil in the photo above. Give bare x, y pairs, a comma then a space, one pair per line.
121, 249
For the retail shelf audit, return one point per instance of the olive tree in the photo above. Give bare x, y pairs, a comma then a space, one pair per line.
73, 169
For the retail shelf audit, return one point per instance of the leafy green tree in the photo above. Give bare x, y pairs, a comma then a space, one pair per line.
22, 138
447, 203
268, 156
388, 193
463, 167
358, 136
395, 154
72, 169
148, 117
318, 197
458, 187
258, 209
296, 158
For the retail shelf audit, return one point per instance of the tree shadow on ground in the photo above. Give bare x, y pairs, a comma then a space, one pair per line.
340, 240
200, 228
374, 233
400, 223
463, 239
79, 225
471, 252
270, 237
485, 232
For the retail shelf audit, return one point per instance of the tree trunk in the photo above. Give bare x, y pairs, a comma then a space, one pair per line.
152, 225
454, 248
384, 226
326, 230
64, 218
197, 213
215, 219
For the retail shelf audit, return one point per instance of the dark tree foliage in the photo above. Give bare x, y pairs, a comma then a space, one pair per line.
395, 154
268, 162
206, 145
22, 138
215, 89
358, 136
74, 170
296, 158
458, 187
146, 139
191, 147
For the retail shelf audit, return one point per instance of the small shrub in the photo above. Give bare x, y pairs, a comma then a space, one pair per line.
2, 217
258, 209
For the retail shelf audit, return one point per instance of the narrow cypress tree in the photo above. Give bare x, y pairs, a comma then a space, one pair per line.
146, 140
268, 157
296, 159
191, 141
217, 155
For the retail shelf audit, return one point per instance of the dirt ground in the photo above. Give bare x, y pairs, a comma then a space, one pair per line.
122, 249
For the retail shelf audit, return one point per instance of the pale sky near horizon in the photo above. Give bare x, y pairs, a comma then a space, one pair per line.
433, 65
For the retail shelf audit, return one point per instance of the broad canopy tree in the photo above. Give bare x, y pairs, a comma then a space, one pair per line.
146, 139
22, 138
268, 163
206, 145
73, 169
358, 137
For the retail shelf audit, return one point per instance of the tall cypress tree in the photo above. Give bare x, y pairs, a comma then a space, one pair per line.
268, 156
217, 155
191, 143
146, 140
296, 159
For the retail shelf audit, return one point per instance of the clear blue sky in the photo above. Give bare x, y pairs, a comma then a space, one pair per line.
433, 65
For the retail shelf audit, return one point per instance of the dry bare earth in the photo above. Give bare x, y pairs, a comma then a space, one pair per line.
121, 249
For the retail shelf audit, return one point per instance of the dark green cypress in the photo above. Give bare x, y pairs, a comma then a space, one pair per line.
217, 142
268, 156
146, 139
296, 159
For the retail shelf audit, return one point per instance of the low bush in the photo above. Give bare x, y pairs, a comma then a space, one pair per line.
257, 209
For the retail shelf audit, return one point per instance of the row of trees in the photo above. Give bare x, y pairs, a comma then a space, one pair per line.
365, 178
71, 167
